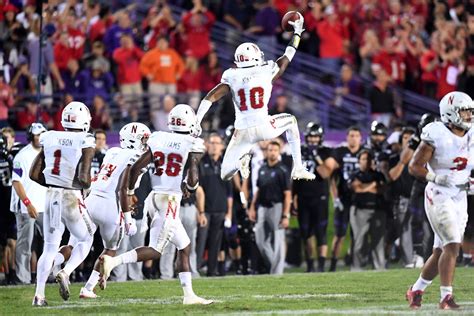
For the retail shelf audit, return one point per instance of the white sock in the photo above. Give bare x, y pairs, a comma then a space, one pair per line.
128, 257
59, 259
78, 255
445, 290
93, 280
186, 283
467, 255
420, 284
293, 137
43, 268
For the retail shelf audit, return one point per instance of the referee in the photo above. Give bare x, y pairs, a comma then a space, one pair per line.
273, 201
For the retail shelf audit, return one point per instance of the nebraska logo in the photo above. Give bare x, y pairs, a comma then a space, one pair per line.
172, 208
451, 99
134, 129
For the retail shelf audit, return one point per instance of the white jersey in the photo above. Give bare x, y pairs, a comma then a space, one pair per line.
453, 155
62, 152
251, 90
115, 161
170, 152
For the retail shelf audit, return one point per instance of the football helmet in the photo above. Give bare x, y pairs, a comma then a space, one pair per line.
314, 129
450, 106
76, 115
34, 129
134, 136
377, 128
248, 55
182, 119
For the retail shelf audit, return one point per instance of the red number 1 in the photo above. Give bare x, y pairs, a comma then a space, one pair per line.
57, 162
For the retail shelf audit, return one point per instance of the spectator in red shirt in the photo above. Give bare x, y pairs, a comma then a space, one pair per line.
429, 63
30, 114
197, 26
57, 116
63, 52
99, 27
100, 114
75, 31
127, 57
391, 61
6, 100
159, 22
210, 73
312, 18
190, 81
333, 35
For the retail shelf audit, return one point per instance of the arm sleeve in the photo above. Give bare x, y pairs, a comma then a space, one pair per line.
88, 141
226, 77
429, 135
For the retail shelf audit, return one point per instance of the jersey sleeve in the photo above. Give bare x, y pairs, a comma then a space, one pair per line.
226, 77
431, 134
43, 137
198, 146
88, 141
18, 168
274, 68
134, 157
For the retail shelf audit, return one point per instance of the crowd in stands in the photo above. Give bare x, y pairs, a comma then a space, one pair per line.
109, 55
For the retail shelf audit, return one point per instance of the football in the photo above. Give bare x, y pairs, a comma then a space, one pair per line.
289, 16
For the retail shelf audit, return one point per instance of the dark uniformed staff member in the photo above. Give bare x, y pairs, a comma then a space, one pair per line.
218, 203
379, 146
272, 202
8, 151
423, 234
400, 190
312, 197
347, 164
367, 214
100, 150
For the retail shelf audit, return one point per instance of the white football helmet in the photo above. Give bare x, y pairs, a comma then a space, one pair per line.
134, 136
76, 115
451, 104
182, 119
248, 55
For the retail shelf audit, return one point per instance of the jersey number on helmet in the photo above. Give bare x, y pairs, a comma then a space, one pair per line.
173, 163
256, 98
57, 162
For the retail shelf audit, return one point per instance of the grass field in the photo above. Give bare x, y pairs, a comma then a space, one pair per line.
341, 293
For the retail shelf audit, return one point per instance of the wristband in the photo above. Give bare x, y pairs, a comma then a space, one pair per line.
130, 192
290, 52
430, 176
127, 216
295, 41
26, 202
286, 216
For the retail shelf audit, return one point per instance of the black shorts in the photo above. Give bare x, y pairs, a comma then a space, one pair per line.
7, 218
313, 217
341, 219
469, 232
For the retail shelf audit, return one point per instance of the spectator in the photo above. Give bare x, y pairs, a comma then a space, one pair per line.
367, 216
346, 85
266, 25
100, 151
100, 24
159, 22
391, 61
22, 81
210, 73
429, 64
114, 33
97, 82
73, 80
333, 35
190, 81
281, 106
312, 18
127, 57
100, 113
32, 113
197, 26
97, 53
162, 66
9, 22
218, 204
381, 99
6, 100
272, 201
369, 48
159, 117
57, 116
63, 52
73, 27
237, 13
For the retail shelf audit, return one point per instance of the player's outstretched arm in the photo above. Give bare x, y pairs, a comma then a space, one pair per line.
84, 175
212, 96
36, 171
290, 50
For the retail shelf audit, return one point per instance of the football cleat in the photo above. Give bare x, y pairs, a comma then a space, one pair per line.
63, 280
245, 166
105, 269
196, 300
39, 301
85, 293
414, 298
448, 303
301, 173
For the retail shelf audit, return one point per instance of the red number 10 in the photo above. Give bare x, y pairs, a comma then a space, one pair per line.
256, 98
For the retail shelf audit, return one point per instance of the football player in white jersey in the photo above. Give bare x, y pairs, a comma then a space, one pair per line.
63, 166
102, 200
445, 158
170, 152
251, 86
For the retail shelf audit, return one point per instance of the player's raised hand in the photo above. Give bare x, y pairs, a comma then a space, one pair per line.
298, 24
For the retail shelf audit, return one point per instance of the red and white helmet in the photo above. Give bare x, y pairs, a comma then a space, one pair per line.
134, 136
451, 104
248, 55
182, 119
76, 115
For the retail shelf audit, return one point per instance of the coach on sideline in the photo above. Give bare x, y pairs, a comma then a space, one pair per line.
28, 202
273, 199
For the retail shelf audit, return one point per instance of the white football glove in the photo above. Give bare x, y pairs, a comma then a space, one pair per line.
443, 180
228, 223
338, 204
196, 131
130, 224
298, 24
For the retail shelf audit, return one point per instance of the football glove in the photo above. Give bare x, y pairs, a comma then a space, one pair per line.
298, 24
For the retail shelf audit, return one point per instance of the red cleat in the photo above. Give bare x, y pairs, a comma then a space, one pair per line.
414, 298
448, 303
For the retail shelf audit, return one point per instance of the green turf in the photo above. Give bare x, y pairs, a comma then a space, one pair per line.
340, 293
